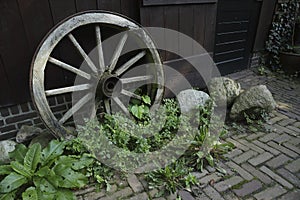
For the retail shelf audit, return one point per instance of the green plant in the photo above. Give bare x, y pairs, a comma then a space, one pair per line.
282, 30
52, 172
172, 177
43, 174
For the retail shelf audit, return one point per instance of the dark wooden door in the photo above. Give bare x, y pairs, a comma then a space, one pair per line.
235, 31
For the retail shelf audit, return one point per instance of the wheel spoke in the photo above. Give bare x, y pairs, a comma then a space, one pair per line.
131, 94
100, 50
136, 79
117, 53
75, 108
69, 68
67, 89
121, 105
83, 54
129, 63
107, 106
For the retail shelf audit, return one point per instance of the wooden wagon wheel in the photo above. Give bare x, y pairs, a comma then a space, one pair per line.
105, 73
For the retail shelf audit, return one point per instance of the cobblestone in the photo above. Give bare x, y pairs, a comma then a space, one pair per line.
294, 195
283, 149
276, 177
207, 179
228, 183
294, 166
212, 193
289, 176
266, 147
270, 193
240, 170
260, 158
248, 188
134, 183
291, 147
141, 196
278, 161
268, 137
244, 157
258, 174
251, 146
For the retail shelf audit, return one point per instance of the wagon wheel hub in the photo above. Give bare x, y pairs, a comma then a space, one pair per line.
109, 85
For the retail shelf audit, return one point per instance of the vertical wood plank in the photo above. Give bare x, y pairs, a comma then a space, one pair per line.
14, 50
6, 96
130, 9
199, 23
110, 5
186, 21
37, 20
265, 21
83, 5
62, 9
171, 15
210, 25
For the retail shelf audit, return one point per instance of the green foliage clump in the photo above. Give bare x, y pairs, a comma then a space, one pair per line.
49, 173
281, 33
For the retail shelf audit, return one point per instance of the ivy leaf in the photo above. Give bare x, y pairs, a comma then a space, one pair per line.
137, 111
21, 169
8, 196
33, 156
52, 151
65, 194
12, 182
19, 153
71, 179
146, 99
30, 194
5, 169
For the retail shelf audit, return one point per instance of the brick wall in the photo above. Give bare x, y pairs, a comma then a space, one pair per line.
12, 118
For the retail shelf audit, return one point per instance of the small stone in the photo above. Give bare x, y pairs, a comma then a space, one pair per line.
253, 101
191, 99
26, 133
6, 146
224, 90
43, 138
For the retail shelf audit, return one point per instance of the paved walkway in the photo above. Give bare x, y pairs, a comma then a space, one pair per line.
265, 164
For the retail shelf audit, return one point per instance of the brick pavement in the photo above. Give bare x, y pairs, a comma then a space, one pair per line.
264, 165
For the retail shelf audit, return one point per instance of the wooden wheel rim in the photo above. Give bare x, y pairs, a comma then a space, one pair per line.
54, 36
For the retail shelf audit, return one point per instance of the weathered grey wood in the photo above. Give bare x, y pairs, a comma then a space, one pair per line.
107, 106
136, 79
131, 94
121, 105
99, 48
117, 53
129, 63
69, 68
75, 108
67, 89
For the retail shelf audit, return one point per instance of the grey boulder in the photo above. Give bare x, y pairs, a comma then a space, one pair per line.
224, 90
6, 146
26, 133
191, 99
255, 100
